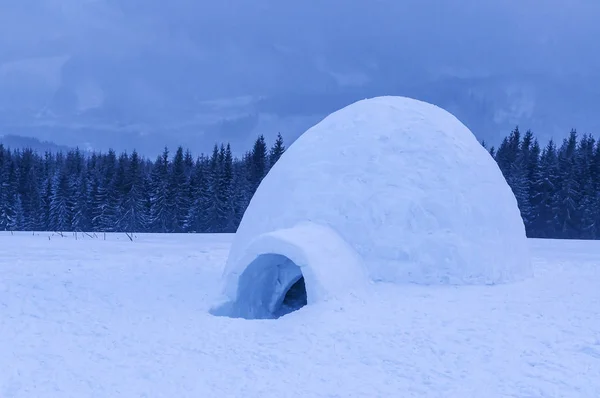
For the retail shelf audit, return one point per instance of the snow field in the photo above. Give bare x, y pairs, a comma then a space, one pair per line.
114, 318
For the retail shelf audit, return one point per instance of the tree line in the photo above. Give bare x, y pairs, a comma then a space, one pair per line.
557, 187
106, 192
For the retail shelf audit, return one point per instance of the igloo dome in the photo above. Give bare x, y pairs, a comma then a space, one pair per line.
388, 189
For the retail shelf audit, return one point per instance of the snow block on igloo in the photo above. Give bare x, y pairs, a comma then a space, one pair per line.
275, 261
404, 185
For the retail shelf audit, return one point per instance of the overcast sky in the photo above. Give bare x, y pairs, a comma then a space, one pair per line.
155, 60
503, 35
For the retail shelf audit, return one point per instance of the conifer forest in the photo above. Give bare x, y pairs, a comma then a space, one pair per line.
557, 187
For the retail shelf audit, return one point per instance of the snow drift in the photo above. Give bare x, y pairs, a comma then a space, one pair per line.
388, 189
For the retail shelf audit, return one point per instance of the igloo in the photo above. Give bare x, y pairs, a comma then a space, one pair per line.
388, 189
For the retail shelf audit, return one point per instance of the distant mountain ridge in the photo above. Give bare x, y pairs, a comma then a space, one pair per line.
18, 142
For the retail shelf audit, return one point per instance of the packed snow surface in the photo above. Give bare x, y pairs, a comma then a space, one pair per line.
406, 185
94, 318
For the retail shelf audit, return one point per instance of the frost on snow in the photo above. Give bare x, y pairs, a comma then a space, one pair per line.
388, 189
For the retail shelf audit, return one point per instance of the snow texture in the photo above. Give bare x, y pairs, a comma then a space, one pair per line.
94, 318
274, 261
407, 189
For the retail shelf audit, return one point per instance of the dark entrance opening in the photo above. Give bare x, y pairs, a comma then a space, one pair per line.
294, 299
270, 287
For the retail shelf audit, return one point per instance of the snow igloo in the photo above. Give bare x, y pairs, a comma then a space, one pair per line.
388, 189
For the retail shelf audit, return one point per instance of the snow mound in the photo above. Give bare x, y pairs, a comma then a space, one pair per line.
388, 189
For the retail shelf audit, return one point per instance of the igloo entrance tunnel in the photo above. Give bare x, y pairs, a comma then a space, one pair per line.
388, 189
273, 284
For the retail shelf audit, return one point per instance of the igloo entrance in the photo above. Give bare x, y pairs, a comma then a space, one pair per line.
270, 287
294, 299
282, 271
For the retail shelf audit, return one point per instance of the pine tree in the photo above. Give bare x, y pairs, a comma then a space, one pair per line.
28, 189
237, 197
179, 188
78, 191
519, 174
245, 181
215, 213
5, 194
258, 165
227, 190
161, 208
46, 200
60, 216
17, 219
584, 171
11, 199
34, 206
507, 153
135, 217
278, 149
79, 205
546, 185
567, 216
512, 158
106, 201
195, 220
533, 196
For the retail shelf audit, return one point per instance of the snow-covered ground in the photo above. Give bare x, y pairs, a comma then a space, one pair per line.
95, 318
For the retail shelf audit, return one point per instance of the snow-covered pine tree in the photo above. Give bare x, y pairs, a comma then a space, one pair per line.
247, 181
512, 157
94, 181
161, 208
214, 215
227, 192
46, 191
106, 201
13, 204
134, 215
60, 214
80, 202
79, 194
195, 219
241, 191
519, 176
179, 185
546, 185
28, 189
121, 180
17, 219
533, 174
35, 211
5, 194
188, 162
506, 155
584, 171
569, 190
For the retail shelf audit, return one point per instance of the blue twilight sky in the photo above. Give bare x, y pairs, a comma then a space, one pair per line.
146, 73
